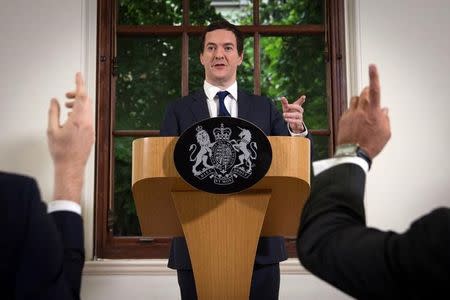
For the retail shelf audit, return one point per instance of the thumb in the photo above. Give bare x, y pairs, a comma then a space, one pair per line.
300, 100
284, 104
53, 115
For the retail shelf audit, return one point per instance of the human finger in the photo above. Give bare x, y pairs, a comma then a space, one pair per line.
374, 86
364, 98
292, 115
300, 100
354, 102
293, 121
294, 108
80, 87
71, 95
284, 104
53, 115
69, 104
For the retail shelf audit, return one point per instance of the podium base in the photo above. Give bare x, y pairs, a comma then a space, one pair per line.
222, 233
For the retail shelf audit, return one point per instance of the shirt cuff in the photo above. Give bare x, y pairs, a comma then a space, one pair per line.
325, 164
302, 134
63, 205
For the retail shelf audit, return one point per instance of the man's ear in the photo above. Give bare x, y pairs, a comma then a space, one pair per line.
241, 58
201, 59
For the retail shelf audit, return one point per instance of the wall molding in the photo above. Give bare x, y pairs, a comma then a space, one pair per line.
88, 40
158, 267
353, 47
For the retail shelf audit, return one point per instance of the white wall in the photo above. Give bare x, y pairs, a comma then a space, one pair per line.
40, 53
45, 42
408, 41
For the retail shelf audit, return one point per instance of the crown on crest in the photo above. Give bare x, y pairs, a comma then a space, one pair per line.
222, 133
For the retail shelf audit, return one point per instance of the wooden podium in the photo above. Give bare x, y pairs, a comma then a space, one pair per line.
221, 231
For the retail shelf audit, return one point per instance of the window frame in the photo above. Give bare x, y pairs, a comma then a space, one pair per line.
106, 245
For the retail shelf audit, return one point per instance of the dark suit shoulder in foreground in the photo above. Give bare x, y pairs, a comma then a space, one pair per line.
43, 253
335, 244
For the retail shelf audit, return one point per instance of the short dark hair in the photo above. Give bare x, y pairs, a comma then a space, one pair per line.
224, 24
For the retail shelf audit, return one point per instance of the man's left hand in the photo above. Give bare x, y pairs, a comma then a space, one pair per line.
70, 143
293, 113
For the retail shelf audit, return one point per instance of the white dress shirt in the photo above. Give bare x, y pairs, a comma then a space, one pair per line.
63, 205
230, 100
324, 164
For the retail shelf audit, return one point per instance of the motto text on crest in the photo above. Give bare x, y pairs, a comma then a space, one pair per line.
223, 159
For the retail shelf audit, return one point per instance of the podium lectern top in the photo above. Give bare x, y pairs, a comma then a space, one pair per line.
154, 177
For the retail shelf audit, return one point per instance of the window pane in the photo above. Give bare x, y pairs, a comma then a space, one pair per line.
295, 66
126, 222
150, 12
290, 12
320, 147
196, 70
245, 71
238, 12
149, 76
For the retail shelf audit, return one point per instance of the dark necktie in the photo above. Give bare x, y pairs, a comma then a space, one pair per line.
223, 112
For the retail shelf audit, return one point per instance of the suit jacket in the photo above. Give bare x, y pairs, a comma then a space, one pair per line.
42, 254
182, 114
335, 244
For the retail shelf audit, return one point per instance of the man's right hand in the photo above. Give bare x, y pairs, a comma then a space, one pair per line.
365, 122
70, 143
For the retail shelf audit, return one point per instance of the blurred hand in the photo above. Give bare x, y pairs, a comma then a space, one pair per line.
70, 143
365, 122
293, 113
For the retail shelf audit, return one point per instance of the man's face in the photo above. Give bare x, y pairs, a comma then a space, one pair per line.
220, 57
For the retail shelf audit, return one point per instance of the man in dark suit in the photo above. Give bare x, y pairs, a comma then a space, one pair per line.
221, 54
42, 249
334, 242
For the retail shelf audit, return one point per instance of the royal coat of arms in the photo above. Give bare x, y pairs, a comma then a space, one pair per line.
224, 158
223, 155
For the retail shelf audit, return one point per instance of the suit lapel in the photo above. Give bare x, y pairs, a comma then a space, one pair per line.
199, 107
244, 102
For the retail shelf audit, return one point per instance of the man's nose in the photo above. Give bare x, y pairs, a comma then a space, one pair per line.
219, 53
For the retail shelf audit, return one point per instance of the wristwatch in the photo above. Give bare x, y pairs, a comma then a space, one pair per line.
352, 150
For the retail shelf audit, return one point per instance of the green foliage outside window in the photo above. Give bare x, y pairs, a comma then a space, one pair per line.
290, 12
150, 12
149, 75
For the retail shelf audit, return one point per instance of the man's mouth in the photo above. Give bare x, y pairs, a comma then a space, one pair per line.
218, 65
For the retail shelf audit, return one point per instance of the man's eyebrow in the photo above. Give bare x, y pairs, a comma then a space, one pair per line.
224, 44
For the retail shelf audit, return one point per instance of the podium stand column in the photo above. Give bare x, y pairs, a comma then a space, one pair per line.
222, 233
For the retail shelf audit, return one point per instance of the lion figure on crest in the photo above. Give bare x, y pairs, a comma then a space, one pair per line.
203, 154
